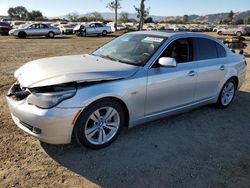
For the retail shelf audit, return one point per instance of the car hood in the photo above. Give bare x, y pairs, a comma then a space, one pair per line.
76, 68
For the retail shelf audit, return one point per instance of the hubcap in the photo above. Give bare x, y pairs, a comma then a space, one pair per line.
102, 125
227, 93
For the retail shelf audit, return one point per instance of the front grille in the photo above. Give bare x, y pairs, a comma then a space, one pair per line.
18, 93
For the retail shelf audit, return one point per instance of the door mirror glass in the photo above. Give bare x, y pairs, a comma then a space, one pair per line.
167, 62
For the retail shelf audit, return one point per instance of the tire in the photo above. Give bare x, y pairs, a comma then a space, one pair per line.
22, 35
219, 33
104, 33
95, 131
238, 34
83, 34
227, 95
51, 34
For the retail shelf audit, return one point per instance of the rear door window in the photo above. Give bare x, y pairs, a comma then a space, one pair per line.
221, 51
206, 49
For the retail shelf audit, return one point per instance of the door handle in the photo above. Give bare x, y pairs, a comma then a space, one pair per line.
222, 67
192, 73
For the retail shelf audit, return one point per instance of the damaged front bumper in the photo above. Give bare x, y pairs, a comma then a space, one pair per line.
54, 125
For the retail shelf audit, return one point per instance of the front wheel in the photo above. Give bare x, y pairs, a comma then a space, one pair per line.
227, 94
99, 124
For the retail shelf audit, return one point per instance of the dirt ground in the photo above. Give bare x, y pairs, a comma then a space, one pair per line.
206, 147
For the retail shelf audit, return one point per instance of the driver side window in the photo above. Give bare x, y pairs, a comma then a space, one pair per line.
181, 50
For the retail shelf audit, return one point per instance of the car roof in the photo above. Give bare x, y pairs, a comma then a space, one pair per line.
167, 34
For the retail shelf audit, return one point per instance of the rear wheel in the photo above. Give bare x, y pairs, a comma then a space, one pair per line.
227, 94
238, 34
219, 33
104, 33
99, 124
22, 35
51, 34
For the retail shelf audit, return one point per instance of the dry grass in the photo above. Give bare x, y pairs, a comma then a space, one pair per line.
202, 148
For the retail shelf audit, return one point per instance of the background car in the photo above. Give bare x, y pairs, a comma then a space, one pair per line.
232, 30
5, 27
36, 29
92, 29
67, 28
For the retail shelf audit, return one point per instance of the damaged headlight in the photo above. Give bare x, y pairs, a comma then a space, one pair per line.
48, 97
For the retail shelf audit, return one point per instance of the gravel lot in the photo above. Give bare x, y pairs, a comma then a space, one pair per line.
206, 147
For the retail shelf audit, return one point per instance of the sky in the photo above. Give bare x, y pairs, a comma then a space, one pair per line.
52, 8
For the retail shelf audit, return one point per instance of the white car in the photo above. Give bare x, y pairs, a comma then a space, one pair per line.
92, 29
67, 28
36, 29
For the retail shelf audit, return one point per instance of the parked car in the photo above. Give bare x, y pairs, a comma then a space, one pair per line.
16, 24
135, 78
233, 30
67, 28
92, 29
5, 27
36, 29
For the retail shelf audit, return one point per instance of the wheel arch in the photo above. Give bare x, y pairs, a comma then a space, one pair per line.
118, 99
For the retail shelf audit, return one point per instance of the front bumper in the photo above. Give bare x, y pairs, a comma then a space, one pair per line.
52, 126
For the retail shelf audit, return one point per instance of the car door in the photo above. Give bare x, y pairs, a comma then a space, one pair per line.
210, 57
44, 29
32, 29
91, 29
99, 28
172, 87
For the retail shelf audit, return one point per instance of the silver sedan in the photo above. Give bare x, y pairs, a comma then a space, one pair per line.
36, 29
135, 78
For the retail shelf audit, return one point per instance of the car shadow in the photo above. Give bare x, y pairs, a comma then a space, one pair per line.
189, 149
42, 37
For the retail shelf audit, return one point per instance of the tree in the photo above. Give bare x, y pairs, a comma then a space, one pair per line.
239, 22
18, 12
73, 17
247, 20
83, 19
231, 16
142, 13
185, 19
123, 17
115, 5
149, 20
95, 16
34, 15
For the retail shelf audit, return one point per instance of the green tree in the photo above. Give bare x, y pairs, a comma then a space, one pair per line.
34, 15
247, 20
18, 12
239, 22
115, 5
231, 16
142, 13
185, 19
73, 16
149, 20
123, 17
95, 16
83, 19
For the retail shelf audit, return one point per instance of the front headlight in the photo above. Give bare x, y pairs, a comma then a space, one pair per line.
49, 99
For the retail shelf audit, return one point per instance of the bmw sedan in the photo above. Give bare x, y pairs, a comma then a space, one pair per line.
36, 29
135, 78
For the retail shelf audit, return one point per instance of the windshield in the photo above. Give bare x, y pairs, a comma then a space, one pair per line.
135, 49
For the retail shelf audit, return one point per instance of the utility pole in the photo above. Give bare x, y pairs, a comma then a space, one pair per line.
116, 7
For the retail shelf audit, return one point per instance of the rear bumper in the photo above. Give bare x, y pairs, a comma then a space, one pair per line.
52, 126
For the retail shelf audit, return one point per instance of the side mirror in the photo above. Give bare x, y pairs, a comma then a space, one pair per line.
167, 62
